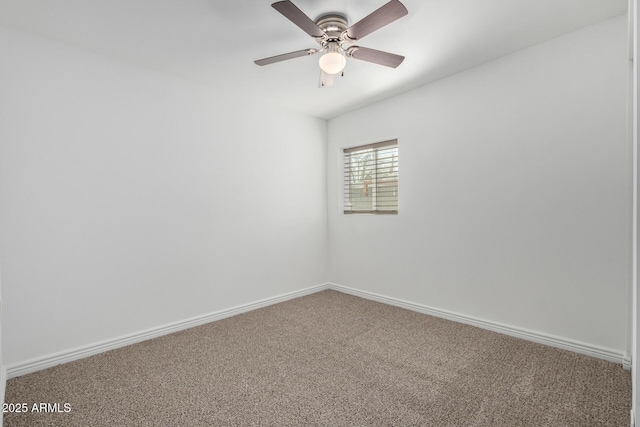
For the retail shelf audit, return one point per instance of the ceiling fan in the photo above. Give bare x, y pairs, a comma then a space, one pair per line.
337, 40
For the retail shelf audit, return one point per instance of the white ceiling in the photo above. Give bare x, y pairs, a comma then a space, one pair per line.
214, 42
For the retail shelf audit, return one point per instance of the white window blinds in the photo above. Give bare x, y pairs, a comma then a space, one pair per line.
371, 178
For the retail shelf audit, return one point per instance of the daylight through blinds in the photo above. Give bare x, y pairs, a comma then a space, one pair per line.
371, 178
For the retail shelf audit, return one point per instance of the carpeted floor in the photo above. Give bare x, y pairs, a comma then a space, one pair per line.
329, 359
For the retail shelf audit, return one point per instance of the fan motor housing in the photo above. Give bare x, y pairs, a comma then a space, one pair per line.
333, 25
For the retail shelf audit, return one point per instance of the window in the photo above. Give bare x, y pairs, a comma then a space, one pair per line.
371, 178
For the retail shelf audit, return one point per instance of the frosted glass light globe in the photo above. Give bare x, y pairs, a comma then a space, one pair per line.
332, 62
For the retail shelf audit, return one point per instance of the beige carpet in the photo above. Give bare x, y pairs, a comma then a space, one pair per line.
329, 359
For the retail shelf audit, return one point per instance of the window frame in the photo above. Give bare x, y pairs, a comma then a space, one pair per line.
347, 205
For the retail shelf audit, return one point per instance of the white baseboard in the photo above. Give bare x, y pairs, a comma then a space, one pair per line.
538, 337
40, 363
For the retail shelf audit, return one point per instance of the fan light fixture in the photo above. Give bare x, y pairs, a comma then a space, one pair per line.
333, 61
336, 38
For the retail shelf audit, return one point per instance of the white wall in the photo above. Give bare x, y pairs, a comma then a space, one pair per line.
635, 117
3, 370
131, 199
515, 192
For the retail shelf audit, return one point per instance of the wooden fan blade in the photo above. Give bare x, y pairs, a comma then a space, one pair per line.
376, 56
377, 19
295, 15
326, 80
285, 56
